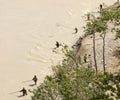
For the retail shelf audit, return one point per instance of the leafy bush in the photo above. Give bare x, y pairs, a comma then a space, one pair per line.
78, 83
69, 82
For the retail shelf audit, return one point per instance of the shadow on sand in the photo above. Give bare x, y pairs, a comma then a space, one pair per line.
20, 96
32, 85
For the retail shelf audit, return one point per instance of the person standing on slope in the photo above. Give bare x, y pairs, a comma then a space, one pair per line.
76, 30
57, 44
35, 79
24, 91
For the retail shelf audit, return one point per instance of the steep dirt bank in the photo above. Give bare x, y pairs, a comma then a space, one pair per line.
112, 61
112, 47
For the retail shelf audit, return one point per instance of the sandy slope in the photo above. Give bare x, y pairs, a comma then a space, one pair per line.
112, 60
28, 31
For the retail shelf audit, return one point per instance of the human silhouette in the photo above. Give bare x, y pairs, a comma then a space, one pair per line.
88, 16
101, 7
85, 58
57, 44
35, 79
76, 30
24, 91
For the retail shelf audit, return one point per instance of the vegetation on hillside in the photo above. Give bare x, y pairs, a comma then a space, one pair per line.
99, 23
72, 80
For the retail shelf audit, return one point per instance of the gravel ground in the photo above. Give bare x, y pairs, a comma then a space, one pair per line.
111, 45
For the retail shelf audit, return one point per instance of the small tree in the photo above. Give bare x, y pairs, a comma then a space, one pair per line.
94, 51
103, 37
101, 27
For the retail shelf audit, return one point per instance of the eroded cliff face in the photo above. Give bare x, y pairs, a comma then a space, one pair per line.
112, 53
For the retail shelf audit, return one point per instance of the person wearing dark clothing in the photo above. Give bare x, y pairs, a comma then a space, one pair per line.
101, 7
76, 30
88, 17
35, 79
57, 44
24, 91
85, 58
